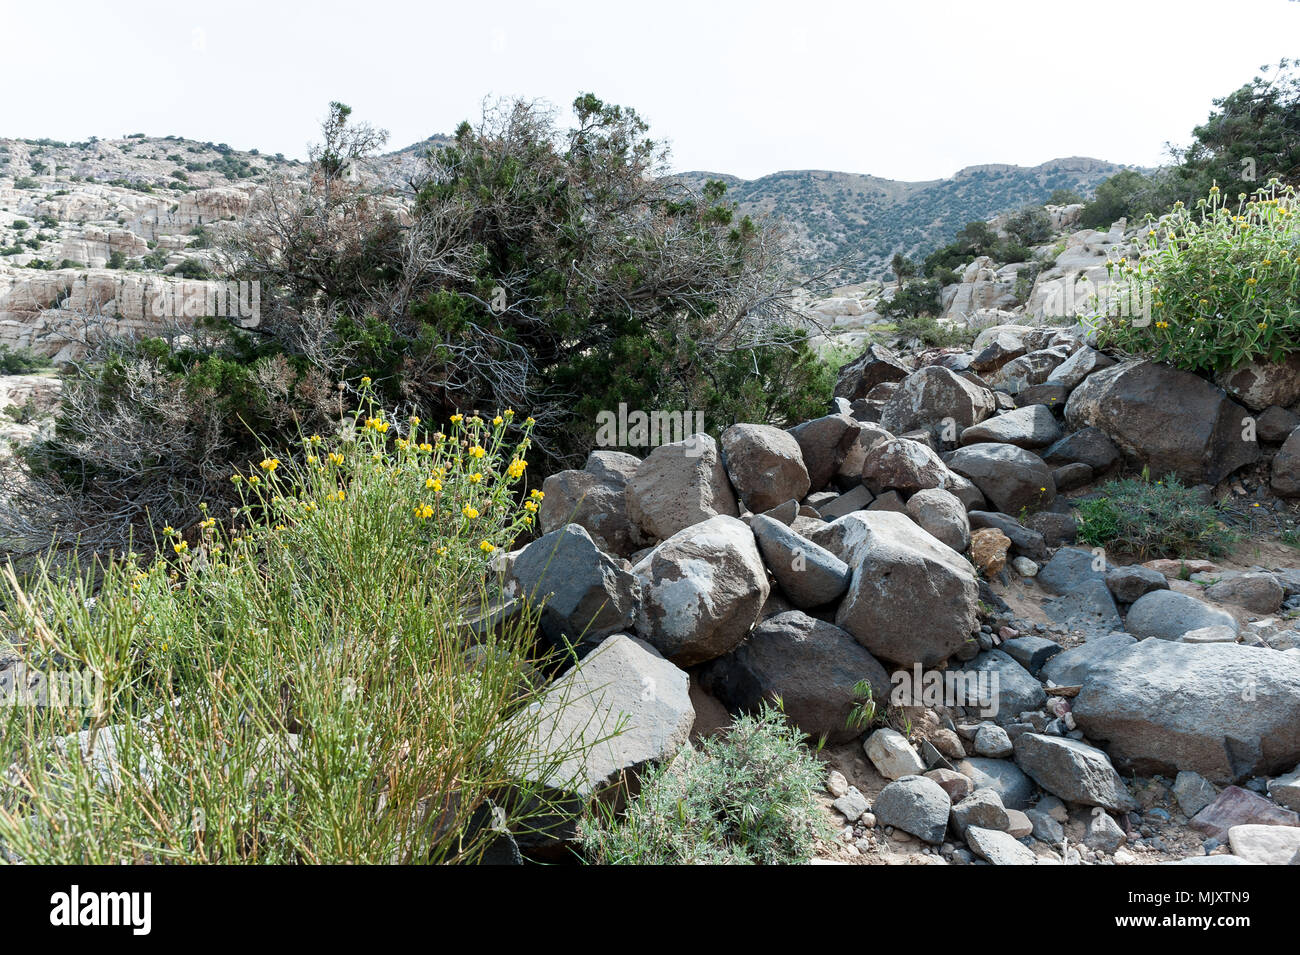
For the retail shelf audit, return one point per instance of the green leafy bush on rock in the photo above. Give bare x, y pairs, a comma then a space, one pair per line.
1214, 288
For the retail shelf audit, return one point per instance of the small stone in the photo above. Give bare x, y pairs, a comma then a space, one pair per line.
1238, 807
1265, 845
1285, 790
836, 784
992, 740
1018, 824
892, 755
916, 805
999, 848
851, 805
988, 550
1045, 828
957, 786
1025, 567
981, 808
1104, 833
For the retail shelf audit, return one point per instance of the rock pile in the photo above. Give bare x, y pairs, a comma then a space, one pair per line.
847, 560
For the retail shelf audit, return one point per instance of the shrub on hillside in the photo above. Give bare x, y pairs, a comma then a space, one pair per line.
145, 429
748, 797
18, 361
1126, 195
1214, 288
561, 269
291, 681
1144, 519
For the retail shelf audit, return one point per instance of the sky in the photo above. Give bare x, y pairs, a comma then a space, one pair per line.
913, 90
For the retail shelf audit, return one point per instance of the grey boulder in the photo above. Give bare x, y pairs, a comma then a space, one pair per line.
809, 575
1224, 711
703, 589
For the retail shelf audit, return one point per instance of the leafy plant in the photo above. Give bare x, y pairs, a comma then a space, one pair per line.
1145, 519
748, 797
1212, 289
294, 684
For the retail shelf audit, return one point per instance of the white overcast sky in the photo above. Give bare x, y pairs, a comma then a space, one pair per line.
906, 90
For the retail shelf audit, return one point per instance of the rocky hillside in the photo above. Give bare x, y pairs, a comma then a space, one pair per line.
861, 221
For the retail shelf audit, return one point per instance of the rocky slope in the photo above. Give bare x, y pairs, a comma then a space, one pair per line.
1036, 701
860, 221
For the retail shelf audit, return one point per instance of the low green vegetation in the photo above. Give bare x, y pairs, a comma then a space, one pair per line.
19, 361
1143, 519
748, 797
290, 682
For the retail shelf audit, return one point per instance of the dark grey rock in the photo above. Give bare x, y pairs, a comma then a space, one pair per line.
1131, 582
1073, 771
812, 666
916, 805
809, 575
1167, 615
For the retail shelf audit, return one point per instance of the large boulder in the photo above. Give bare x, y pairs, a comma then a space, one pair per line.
903, 465
937, 400
1033, 426
1013, 479
876, 365
1259, 384
1073, 771
812, 666
912, 599
1286, 467
999, 848
823, 444
596, 727
595, 498
703, 589
1224, 711
680, 484
1028, 370
1257, 592
849, 473
1071, 667
1024, 541
1170, 421
808, 573
1168, 614
765, 465
587, 594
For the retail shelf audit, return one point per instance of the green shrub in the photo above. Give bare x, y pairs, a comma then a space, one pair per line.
1212, 289
19, 361
918, 297
1145, 519
295, 686
192, 268
748, 797
1126, 195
